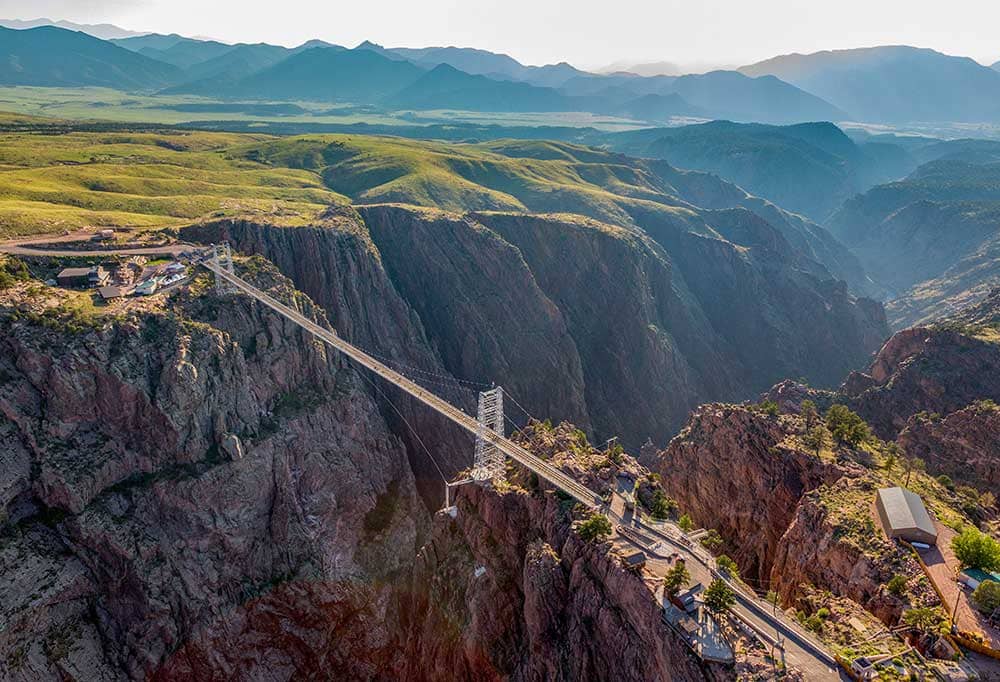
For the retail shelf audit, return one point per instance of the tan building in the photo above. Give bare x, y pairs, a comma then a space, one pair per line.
904, 516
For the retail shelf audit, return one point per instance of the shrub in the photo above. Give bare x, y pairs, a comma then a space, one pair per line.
988, 500
823, 612
946, 481
976, 550
685, 523
846, 426
728, 565
12, 270
770, 408
923, 619
597, 528
719, 596
897, 585
987, 596
712, 540
814, 623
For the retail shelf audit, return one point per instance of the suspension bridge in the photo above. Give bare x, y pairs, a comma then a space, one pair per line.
491, 445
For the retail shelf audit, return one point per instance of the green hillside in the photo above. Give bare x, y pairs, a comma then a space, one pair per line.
145, 179
51, 183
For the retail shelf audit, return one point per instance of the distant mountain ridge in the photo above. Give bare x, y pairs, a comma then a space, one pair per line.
102, 31
55, 57
895, 84
932, 237
885, 84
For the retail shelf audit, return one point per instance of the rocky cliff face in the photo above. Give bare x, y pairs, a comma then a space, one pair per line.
506, 591
170, 474
937, 370
574, 317
794, 520
965, 444
750, 460
834, 544
196, 490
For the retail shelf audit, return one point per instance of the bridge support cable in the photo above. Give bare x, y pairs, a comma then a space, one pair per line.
489, 460
545, 471
413, 431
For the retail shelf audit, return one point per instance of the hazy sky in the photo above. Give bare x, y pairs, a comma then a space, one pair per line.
587, 33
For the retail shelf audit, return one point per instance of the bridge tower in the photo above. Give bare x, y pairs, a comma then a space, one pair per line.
489, 460
223, 256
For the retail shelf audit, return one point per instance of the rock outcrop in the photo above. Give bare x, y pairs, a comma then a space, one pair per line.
506, 591
964, 445
131, 532
833, 543
750, 461
794, 520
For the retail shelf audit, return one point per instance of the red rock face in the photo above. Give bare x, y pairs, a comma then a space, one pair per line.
729, 469
618, 330
506, 591
965, 444
133, 544
938, 371
811, 553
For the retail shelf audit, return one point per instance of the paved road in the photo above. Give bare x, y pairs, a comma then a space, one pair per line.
800, 651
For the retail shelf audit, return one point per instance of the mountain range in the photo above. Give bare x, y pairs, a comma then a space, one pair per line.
885, 84
54, 57
893, 84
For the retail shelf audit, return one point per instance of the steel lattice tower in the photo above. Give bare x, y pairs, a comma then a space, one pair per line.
489, 460
224, 257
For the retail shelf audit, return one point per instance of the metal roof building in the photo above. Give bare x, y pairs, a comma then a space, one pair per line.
903, 515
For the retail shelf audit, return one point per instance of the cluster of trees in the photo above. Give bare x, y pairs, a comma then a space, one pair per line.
596, 528
976, 549
839, 424
719, 596
847, 427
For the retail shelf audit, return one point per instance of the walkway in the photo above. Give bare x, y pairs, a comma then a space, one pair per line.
942, 569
